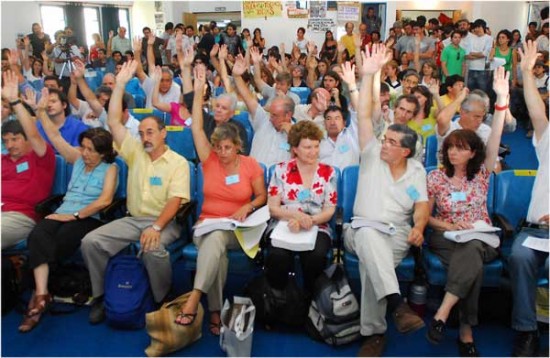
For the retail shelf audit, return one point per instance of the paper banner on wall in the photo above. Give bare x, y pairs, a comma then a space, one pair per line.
317, 9
297, 13
349, 11
321, 25
258, 9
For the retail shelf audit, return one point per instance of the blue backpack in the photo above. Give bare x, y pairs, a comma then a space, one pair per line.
128, 294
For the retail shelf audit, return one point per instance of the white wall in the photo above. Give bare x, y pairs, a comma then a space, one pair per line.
12, 24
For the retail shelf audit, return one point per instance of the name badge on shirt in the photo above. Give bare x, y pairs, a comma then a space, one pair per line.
303, 195
458, 196
188, 122
232, 179
284, 146
427, 127
22, 167
343, 148
156, 181
412, 193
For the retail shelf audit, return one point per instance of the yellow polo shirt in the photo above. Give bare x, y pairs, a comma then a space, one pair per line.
447, 100
152, 183
349, 43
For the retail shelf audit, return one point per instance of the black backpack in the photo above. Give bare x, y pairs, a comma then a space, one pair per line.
70, 284
287, 306
334, 311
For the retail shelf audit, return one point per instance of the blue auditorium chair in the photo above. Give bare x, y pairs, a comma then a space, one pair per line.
492, 271
141, 113
350, 176
180, 140
302, 92
430, 158
242, 118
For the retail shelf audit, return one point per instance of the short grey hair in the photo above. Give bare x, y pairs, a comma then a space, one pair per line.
288, 103
468, 104
483, 95
409, 137
231, 98
168, 71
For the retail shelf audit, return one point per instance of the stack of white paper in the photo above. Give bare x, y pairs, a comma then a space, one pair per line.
481, 231
283, 238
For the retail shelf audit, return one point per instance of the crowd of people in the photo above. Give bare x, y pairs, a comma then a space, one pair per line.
371, 103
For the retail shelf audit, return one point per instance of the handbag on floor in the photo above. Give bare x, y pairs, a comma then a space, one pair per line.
166, 335
237, 327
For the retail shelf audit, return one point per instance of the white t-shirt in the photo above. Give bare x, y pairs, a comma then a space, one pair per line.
301, 114
483, 132
270, 93
539, 196
478, 44
173, 94
88, 117
380, 197
268, 146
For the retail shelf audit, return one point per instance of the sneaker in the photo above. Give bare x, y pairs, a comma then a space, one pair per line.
373, 346
406, 320
97, 312
436, 331
467, 349
526, 344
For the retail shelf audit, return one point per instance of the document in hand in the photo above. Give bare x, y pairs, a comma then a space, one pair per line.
357, 222
481, 231
283, 238
249, 232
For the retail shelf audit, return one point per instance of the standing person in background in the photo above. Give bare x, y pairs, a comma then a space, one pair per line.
453, 57
157, 44
328, 50
258, 41
477, 53
232, 40
542, 40
98, 44
373, 22
207, 41
503, 50
348, 41
119, 42
301, 41
39, 40
246, 38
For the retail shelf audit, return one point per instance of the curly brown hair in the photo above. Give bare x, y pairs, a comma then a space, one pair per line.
304, 130
464, 139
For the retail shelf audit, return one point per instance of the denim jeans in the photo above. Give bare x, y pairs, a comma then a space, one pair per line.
479, 80
524, 270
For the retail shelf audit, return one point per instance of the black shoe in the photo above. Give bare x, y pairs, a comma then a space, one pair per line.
526, 344
97, 311
436, 331
467, 349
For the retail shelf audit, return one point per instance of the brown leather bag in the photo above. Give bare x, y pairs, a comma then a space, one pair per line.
166, 335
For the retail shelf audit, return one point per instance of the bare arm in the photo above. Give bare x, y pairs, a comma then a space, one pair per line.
141, 75
25, 54
71, 95
11, 93
416, 53
311, 64
446, 114
501, 88
88, 94
438, 224
199, 136
348, 76
420, 217
213, 57
110, 43
150, 54
535, 105
114, 117
155, 75
248, 97
185, 64
222, 56
257, 61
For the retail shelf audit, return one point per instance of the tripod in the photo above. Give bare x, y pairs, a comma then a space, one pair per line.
66, 49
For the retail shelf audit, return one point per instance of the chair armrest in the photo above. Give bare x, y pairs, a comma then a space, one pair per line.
339, 225
48, 205
109, 212
508, 230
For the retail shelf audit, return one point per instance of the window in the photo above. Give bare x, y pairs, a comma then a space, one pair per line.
123, 18
91, 24
53, 19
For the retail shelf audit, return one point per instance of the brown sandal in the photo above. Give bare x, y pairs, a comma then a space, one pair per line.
39, 304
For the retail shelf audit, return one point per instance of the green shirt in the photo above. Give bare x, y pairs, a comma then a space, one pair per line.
454, 58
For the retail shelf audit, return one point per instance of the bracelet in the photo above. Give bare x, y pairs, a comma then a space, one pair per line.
253, 207
16, 102
499, 108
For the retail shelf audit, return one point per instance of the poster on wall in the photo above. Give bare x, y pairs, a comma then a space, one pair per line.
318, 9
349, 11
258, 9
321, 25
159, 23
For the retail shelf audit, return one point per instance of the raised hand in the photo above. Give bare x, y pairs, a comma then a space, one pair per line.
29, 97
42, 105
375, 60
255, 55
311, 63
188, 57
26, 41
348, 73
528, 55
151, 39
79, 69
156, 74
137, 44
200, 78
501, 82
310, 47
222, 53
126, 72
357, 40
434, 87
341, 47
11, 86
214, 50
179, 41
13, 57
111, 34
240, 66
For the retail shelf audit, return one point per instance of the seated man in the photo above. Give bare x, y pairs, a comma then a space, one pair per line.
525, 262
152, 202
270, 143
27, 170
392, 190
283, 81
109, 80
58, 111
314, 111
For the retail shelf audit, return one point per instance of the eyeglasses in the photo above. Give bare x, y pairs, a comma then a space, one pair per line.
390, 142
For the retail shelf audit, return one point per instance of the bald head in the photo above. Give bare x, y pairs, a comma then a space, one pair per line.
109, 80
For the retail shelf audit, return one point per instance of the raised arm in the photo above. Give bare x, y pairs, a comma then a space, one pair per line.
25, 63
416, 53
140, 74
311, 64
11, 93
348, 76
72, 94
185, 65
222, 56
257, 62
446, 114
88, 94
110, 43
433, 86
150, 53
501, 87
155, 74
46, 64
535, 105
114, 117
214, 57
248, 97
199, 136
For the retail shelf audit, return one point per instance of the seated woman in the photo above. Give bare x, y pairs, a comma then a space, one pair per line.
302, 191
425, 120
230, 181
91, 188
458, 191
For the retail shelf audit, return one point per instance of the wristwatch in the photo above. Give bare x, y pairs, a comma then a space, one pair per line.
77, 215
156, 228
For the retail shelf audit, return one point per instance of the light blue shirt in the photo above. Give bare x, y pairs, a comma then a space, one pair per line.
84, 188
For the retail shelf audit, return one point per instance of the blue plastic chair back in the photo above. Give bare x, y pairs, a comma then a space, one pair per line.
350, 177
122, 178
180, 140
133, 87
302, 92
431, 151
60, 181
139, 100
513, 194
242, 118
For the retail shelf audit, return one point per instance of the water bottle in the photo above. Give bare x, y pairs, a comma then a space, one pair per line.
418, 295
